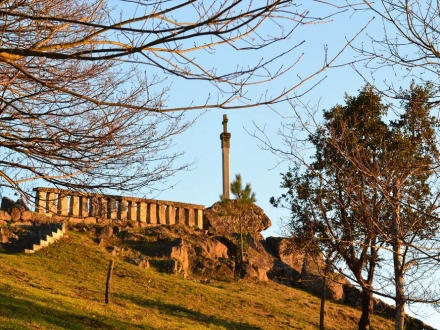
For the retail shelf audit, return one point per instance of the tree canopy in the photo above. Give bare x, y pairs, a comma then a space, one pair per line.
369, 192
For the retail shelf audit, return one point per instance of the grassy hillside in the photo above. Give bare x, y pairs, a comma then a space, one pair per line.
62, 287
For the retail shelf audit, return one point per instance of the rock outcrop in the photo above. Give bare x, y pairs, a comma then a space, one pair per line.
174, 249
222, 220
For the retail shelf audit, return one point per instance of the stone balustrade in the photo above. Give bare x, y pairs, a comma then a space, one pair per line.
69, 203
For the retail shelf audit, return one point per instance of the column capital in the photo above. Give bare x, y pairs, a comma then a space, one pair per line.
225, 137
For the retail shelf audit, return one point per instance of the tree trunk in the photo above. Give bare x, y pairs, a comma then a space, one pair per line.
367, 310
322, 312
241, 241
398, 263
399, 286
108, 282
400, 290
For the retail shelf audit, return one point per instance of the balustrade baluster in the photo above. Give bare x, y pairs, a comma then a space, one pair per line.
84, 206
63, 204
74, 206
180, 215
199, 218
142, 210
132, 211
111, 208
152, 210
171, 215
51, 203
161, 215
40, 201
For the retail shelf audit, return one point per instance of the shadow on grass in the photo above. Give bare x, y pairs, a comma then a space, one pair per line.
22, 311
185, 313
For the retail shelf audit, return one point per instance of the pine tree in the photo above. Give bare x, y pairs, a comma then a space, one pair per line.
244, 198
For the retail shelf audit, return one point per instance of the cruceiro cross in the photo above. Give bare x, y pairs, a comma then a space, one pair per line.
225, 137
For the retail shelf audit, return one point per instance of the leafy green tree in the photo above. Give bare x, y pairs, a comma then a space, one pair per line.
240, 207
369, 190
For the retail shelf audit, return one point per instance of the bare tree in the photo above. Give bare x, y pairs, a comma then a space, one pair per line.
84, 92
409, 44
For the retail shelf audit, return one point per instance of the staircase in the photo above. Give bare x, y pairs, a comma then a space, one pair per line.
42, 236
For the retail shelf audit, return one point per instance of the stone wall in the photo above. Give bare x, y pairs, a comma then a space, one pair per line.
90, 208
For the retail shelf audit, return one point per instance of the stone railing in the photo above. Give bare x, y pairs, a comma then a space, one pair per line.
84, 205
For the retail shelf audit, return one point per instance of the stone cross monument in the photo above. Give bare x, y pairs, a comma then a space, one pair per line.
225, 137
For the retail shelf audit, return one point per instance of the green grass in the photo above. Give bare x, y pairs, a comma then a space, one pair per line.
62, 287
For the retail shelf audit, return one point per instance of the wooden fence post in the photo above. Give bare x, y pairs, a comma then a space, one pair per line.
109, 282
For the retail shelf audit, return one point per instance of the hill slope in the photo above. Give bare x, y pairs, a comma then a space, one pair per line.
62, 287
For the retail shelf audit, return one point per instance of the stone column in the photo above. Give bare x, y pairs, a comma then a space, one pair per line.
93, 207
102, 204
132, 211
98, 207
189, 217
199, 218
51, 202
63, 204
225, 137
84, 206
122, 210
171, 215
151, 213
180, 215
142, 212
40, 201
161, 215
74, 205
112, 212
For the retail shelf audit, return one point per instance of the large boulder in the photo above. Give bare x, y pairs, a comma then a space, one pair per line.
26, 215
5, 216
284, 249
20, 203
294, 267
258, 258
208, 256
15, 214
179, 252
222, 220
312, 278
211, 249
288, 265
8, 204
106, 232
218, 219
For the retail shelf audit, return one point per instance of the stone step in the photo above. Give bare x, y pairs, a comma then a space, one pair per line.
46, 236
50, 239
